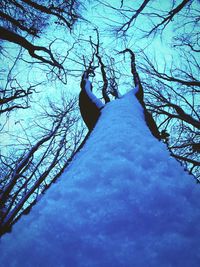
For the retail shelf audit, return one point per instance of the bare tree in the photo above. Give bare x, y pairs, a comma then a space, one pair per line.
13, 95
23, 22
173, 99
29, 173
29, 164
33, 16
157, 18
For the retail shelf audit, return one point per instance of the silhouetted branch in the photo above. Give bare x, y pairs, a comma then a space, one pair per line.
189, 160
16, 23
103, 71
51, 10
169, 17
140, 95
151, 69
17, 39
127, 25
140, 92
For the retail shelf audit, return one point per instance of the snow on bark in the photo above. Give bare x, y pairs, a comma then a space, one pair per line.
92, 97
90, 105
123, 202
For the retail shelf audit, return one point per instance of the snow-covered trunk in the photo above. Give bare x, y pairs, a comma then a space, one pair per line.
123, 202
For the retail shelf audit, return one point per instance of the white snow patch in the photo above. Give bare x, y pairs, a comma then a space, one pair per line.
92, 96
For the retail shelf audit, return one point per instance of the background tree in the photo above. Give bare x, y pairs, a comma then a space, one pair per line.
21, 18
28, 172
31, 160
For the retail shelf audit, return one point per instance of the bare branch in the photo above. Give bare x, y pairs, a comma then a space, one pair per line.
140, 92
103, 71
169, 17
15, 22
17, 39
127, 25
50, 11
140, 96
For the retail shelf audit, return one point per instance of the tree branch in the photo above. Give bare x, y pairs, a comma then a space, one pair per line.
136, 14
140, 96
192, 161
49, 11
170, 16
16, 23
103, 72
140, 92
17, 39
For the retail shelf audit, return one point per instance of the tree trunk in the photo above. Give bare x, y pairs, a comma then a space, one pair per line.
123, 201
